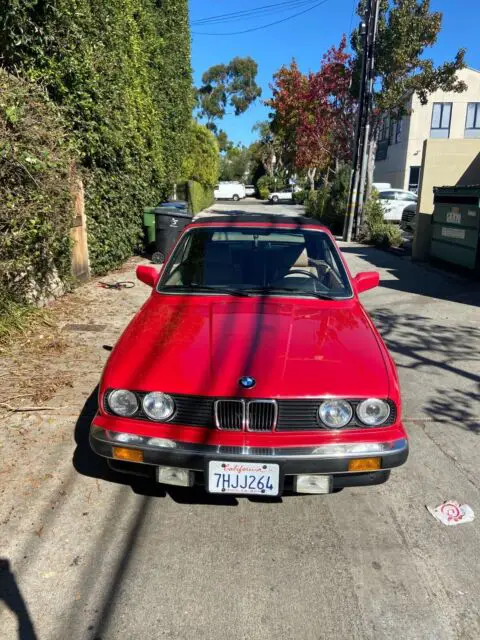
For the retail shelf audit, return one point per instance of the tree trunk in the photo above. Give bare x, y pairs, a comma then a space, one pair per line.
311, 177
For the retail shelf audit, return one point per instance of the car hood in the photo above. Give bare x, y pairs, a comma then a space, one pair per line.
202, 345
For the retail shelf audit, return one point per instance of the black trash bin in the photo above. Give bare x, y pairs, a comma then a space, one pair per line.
170, 220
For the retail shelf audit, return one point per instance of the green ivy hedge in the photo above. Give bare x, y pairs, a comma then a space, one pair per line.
200, 196
36, 172
120, 71
202, 160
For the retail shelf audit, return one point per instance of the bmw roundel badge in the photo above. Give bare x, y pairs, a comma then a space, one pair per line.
247, 382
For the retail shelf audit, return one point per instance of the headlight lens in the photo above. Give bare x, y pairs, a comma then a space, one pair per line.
373, 412
123, 402
158, 406
335, 413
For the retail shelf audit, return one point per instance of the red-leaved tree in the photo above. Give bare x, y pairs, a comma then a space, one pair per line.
314, 114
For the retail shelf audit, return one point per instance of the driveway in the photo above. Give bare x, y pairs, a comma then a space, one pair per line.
87, 554
255, 206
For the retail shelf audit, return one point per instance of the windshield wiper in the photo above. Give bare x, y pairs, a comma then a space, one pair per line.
300, 292
205, 288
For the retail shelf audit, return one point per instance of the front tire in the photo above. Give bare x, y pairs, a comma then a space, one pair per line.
236, 198
275, 199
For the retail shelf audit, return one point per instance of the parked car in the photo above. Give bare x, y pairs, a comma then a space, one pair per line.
408, 221
253, 367
284, 195
229, 191
394, 202
250, 190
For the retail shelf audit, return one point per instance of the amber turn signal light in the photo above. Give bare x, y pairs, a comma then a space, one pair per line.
131, 455
364, 464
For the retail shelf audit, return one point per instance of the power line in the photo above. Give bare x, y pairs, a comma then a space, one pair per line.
247, 13
265, 26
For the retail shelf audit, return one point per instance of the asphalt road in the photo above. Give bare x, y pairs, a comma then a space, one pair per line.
97, 557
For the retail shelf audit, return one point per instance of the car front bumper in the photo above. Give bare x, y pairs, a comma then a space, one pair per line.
327, 459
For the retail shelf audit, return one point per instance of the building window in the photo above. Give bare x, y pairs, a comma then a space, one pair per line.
383, 133
441, 117
391, 134
398, 132
472, 125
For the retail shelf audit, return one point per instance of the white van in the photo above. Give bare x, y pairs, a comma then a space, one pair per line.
229, 191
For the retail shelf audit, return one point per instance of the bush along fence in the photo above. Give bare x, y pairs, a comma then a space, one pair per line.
120, 73
37, 178
200, 196
201, 167
104, 137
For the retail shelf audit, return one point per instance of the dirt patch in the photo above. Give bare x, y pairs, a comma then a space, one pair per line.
53, 352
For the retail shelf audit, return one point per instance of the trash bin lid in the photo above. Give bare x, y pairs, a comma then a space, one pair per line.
177, 204
172, 212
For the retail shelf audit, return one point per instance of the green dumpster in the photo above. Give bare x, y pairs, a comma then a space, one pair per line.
456, 226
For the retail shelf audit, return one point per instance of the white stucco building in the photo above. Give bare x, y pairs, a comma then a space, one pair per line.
447, 115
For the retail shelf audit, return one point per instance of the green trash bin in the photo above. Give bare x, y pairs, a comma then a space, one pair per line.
149, 226
456, 226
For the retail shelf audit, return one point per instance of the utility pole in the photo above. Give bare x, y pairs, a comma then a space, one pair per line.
367, 110
368, 31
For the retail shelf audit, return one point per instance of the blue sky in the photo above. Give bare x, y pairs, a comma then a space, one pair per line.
306, 38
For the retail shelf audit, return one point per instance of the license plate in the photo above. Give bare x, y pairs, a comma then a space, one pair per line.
249, 478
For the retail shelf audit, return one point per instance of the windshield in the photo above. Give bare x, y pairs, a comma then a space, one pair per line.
247, 260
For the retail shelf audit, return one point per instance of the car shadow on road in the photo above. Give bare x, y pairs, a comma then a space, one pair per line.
419, 279
89, 464
11, 596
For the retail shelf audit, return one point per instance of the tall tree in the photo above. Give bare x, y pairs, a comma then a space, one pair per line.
234, 163
223, 142
224, 86
325, 133
405, 29
313, 114
268, 148
288, 102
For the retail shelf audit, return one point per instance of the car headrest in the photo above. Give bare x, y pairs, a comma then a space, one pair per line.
302, 260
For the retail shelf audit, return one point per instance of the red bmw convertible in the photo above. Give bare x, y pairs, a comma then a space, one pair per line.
252, 368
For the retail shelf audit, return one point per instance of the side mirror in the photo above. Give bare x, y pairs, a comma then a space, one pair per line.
366, 280
148, 275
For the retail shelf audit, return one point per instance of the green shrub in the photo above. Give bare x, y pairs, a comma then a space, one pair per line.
337, 203
200, 196
202, 160
36, 211
329, 204
375, 230
316, 202
299, 197
266, 185
120, 70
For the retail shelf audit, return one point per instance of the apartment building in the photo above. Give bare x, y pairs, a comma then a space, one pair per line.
446, 115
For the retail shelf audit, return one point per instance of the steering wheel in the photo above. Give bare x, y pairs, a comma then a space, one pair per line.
302, 272
311, 275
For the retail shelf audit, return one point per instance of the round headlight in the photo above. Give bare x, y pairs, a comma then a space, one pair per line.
373, 412
158, 406
123, 402
335, 413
